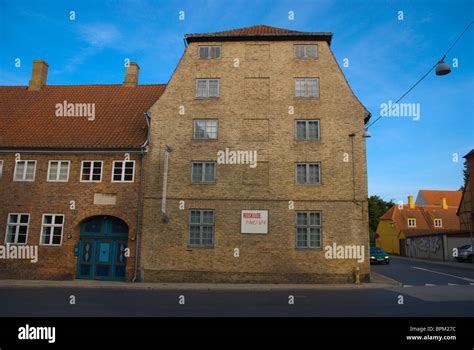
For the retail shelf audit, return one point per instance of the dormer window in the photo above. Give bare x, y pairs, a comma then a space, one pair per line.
411, 222
438, 223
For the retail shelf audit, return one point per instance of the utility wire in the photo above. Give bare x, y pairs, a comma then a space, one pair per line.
425, 75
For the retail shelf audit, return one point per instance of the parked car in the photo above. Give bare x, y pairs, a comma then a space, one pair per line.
465, 253
377, 255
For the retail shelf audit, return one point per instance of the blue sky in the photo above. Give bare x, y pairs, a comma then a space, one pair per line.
386, 56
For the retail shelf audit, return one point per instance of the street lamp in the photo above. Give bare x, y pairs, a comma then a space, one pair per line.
442, 68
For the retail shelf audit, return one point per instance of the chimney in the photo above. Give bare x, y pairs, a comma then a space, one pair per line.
411, 204
131, 74
444, 204
39, 75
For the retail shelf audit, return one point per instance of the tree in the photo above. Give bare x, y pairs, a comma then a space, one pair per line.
377, 207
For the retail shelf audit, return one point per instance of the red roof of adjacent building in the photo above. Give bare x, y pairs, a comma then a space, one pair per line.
28, 118
424, 216
259, 31
433, 197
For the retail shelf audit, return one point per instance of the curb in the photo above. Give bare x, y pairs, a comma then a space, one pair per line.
187, 286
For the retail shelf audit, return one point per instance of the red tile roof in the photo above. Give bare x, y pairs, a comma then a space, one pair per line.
433, 197
259, 31
28, 118
424, 216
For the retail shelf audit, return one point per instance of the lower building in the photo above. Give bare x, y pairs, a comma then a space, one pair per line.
422, 231
70, 177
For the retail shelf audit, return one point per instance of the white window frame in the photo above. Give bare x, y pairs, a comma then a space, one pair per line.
1, 167
411, 222
122, 176
25, 170
17, 224
58, 170
206, 122
52, 226
205, 164
209, 47
92, 169
207, 88
307, 129
438, 223
305, 79
307, 173
305, 55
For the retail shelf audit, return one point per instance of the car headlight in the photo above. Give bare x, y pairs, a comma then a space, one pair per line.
386, 257
372, 257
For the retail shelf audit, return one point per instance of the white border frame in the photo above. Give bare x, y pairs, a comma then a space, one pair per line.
92, 168
34, 172
52, 226
59, 170
16, 235
123, 171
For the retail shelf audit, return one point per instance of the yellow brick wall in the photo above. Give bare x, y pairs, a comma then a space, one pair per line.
272, 257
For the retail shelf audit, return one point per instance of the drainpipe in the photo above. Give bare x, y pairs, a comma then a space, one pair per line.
139, 216
139, 199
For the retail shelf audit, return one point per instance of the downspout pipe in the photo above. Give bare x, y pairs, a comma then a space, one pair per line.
138, 225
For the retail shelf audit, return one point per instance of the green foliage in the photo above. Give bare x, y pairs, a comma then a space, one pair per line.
377, 207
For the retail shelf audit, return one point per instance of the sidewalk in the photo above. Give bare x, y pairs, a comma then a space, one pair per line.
456, 264
379, 282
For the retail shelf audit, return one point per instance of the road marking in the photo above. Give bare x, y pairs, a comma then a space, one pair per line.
442, 273
429, 285
452, 284
407, 285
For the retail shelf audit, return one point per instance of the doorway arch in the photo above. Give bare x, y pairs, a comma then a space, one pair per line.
101, 252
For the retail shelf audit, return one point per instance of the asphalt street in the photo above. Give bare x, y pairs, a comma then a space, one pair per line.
427, 290
417, 273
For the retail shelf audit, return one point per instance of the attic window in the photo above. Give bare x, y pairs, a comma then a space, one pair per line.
438, 223
411, 222
209, 52
305, 51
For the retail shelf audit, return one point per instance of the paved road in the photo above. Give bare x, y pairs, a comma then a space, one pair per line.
417, 273
52, 302
449, 293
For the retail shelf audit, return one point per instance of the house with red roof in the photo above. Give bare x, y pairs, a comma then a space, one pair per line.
71, 177
428, 228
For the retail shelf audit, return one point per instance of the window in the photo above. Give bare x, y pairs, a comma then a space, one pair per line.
205, 129
17, 228
52, 229
1, 168
201, 228
123, 171
308, 173
307, 129
411, 222
306, 87
91, 171
209, 52
207, 88
438, 223
308, 229
203, 172
58, 170
25, 170
306, 51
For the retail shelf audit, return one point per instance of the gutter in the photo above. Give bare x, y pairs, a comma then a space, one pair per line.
9, 150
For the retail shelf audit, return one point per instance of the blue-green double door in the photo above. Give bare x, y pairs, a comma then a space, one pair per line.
102, 247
